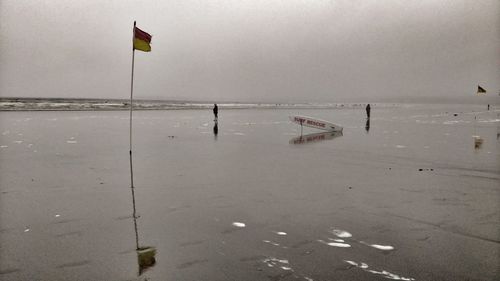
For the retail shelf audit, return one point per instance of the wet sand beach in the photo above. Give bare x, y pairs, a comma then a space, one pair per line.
413, 194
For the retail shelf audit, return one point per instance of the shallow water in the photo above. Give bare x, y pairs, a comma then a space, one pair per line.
414, 194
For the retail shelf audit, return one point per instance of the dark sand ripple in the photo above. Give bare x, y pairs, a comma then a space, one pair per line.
9, 270
74, 264
191, 243
191, 263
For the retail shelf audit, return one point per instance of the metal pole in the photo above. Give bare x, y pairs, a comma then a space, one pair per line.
131, 95
130, 147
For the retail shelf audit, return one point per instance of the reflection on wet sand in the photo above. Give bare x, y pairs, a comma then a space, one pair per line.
216, 129
146, 256
316, 137
498, 128
367, 125
478, 142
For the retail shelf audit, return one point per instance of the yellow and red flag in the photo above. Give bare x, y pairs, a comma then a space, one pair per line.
480, 90
142, 40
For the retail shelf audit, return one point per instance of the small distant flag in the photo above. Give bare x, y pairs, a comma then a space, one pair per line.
142, 40
480, 90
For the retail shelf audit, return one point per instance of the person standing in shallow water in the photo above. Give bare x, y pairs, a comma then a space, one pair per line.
368, 110
216, 111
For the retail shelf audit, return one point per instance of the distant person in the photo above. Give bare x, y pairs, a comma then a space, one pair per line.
488, 106
368, 110
216, 111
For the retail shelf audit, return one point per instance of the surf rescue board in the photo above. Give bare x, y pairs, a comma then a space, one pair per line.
315, 123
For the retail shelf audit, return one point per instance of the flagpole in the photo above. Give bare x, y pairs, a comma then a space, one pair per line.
130, 147
131, 95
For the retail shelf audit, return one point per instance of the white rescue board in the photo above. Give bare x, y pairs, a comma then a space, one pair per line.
315, 123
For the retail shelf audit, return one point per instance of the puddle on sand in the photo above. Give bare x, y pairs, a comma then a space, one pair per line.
3, 146
239, 224
271, 242
284, 264
335, 244
385, 273
344, 234
381, 247
274, 244
275, 262
360, 265
336, 240
281, 233
341, 233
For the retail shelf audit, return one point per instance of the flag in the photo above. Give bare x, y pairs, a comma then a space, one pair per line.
480, 90
142, 40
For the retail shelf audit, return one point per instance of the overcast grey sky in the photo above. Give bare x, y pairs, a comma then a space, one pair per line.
251, 50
